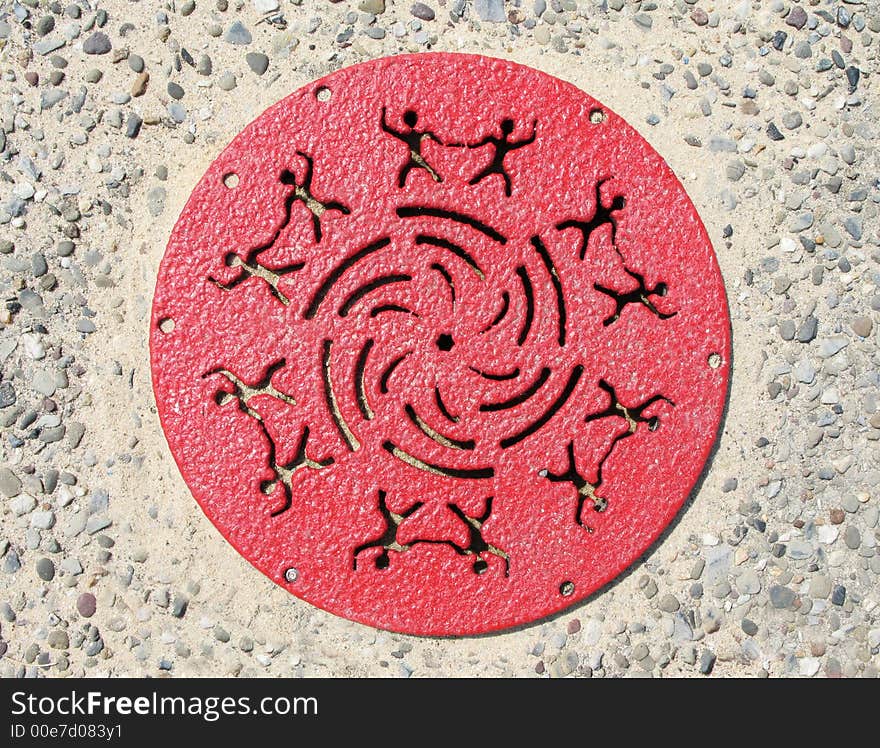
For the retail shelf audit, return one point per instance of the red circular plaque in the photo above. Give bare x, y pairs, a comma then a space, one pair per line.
440, 344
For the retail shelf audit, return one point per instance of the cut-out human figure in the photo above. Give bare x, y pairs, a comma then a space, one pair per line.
413, 139
302, 191
602, 215
502, 147
640, 295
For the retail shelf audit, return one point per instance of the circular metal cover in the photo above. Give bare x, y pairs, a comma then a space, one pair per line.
440, 344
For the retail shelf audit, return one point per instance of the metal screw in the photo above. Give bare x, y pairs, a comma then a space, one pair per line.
291, 575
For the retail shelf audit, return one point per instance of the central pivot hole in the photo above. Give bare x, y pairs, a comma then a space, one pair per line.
445, 342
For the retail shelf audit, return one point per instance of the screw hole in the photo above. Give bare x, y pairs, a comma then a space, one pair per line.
566, 589
291, 575
230, 180
597, 116
166, 325
323, 94
714, 360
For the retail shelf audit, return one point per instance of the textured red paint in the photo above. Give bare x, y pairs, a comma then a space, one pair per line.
231, 325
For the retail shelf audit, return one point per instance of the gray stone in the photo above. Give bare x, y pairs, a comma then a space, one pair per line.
221, 634
227, 81
10, 485
805, 372
177, 111
75, 431
787, 329
96, 524
735, 170
853, 226
848, 153
799, 550
204, 66
52, 434
179, 606
45, 25
792, 120
94, 648
850, 503
48, 44
820, 586
424, 12
97, 44
801, 222
803, 50
58, 639
832, 346
808, 329
852, 537
781, 597
748, 582
565, 664
749, 627
490, 10
773, 132
11, 562
707, 661
373, 7
133, 125
681, 629
44, 382
7, 395
718, 562
156, 200
43, 520
238, 34
648, 587
257, 61
669, 604
45, 569
51, 97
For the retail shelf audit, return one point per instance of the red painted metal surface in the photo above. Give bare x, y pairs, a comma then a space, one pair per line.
450, 348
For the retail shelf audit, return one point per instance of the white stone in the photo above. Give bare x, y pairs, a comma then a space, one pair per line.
830, 396
33, 347
22, 504
827, 534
